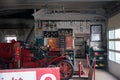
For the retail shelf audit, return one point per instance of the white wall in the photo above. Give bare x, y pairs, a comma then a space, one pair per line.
46, 14
114, 22
76, 21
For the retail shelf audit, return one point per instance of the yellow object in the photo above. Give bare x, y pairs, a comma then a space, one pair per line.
101, 65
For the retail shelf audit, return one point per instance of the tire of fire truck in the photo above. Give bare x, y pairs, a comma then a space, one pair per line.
66, 69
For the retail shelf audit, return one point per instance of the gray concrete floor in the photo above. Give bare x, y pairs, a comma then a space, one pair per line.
103, 75
100, 75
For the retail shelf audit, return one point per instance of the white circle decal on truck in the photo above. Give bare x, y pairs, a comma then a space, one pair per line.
43, 77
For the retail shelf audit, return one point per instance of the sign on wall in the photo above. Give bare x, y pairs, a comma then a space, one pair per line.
30, 74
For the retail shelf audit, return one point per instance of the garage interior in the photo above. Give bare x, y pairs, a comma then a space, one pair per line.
72, 28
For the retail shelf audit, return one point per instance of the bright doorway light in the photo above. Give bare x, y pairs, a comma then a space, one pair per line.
9, 38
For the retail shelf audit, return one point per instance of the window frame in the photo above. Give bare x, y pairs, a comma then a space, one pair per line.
115, 51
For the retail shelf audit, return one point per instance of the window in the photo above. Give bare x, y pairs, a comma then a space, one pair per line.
9, 38
112, 55
111, 34
111, 45
118, 58
96, 31
117, 34
95, 37
114, 45
117, 45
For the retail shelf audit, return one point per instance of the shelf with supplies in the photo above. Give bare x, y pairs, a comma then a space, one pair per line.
79, 47
79, 41
66, 42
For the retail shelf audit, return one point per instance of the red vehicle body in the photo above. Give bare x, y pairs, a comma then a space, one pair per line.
13, 55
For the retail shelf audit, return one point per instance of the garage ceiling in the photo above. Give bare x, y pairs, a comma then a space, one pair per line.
25, 8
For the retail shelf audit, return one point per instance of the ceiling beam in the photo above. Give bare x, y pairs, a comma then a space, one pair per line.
35, 4
113, 9
52, 4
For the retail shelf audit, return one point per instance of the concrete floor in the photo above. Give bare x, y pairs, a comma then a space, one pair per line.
103, 75
100, 75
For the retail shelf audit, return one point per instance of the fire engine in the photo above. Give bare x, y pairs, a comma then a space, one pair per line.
15, 55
